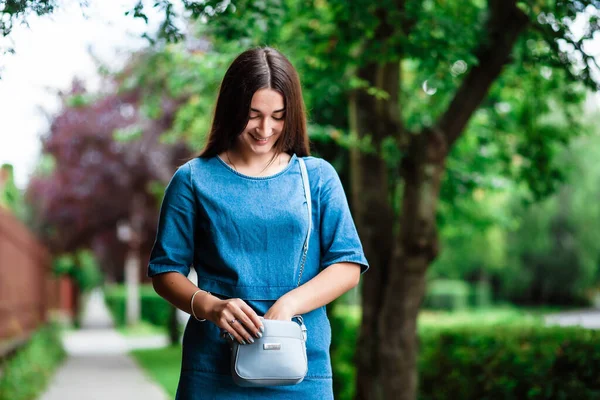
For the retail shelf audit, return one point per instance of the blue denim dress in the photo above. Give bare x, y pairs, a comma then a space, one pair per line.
244, 237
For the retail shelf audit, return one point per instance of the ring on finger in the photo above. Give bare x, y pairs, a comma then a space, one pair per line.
232, 321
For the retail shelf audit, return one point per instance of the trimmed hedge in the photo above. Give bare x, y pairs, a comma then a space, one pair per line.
519, 359
446, 295
344, 321
510, 362
155, 309
26, 374
453, 295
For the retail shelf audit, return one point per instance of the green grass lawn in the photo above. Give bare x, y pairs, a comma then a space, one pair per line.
142, 328
162, 365
430, 320
481, 316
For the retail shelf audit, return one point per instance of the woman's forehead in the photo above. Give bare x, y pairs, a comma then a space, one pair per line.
267, 100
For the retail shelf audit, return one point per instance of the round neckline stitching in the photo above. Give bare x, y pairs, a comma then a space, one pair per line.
257, 178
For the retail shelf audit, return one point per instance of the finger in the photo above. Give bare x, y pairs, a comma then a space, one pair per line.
247, 317
238, 326
256, 323
247, 324
238, 319
225, 323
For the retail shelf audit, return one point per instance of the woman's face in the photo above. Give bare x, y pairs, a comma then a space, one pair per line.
265, 126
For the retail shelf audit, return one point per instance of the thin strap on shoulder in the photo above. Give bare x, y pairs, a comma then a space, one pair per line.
306, 184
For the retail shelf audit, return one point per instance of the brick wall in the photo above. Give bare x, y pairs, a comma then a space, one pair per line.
27, 289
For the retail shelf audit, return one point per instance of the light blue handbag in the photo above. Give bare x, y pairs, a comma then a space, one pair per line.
276, 359
279, 357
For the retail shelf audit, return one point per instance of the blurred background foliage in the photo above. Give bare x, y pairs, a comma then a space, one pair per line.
518, 204
82, 267
517, 185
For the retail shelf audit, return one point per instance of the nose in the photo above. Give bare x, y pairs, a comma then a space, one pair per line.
264, 127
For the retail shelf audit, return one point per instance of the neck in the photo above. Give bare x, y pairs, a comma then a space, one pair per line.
247, 159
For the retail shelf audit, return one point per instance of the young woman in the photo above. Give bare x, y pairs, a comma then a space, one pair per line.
237, 213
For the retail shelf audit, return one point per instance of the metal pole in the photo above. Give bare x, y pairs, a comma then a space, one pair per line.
131, 233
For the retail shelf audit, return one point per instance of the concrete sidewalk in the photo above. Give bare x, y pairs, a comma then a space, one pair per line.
587, 318
98, 366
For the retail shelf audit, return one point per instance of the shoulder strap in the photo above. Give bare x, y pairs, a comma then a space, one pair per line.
306, 185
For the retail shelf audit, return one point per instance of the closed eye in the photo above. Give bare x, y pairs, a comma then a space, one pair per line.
254, 110
275, 118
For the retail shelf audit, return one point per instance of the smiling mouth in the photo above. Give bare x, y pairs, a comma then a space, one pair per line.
260, 139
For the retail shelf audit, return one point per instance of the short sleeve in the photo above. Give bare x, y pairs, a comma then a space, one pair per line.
173, 249
338, 235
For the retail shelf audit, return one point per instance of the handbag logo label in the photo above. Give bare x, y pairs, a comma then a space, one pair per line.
272, 346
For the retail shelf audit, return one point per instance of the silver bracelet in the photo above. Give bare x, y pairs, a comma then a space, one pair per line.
192, 304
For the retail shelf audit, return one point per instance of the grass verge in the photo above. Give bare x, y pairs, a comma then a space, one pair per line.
162, 365
143, 328
26, 374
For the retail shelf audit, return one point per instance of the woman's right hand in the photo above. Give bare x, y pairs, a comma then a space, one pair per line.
237, 318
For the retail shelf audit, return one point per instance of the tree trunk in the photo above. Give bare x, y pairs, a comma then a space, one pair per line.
415, 247
173, 327
393, 290
401, 247
374, 216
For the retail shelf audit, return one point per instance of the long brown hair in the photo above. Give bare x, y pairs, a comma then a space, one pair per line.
255, 69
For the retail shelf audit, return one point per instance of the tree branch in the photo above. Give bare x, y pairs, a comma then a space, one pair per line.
407, 23
505, 23
550, 37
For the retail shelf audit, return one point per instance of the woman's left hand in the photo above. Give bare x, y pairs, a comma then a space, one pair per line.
282, 310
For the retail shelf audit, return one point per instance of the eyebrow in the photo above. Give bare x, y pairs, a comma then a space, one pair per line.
274, 112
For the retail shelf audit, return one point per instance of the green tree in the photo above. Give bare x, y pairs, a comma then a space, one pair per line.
10, 196
554, 248
414, 75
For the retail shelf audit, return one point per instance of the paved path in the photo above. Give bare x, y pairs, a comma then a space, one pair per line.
98, 366
589, 318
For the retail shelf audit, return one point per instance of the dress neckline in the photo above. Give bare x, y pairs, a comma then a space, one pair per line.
258, 178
